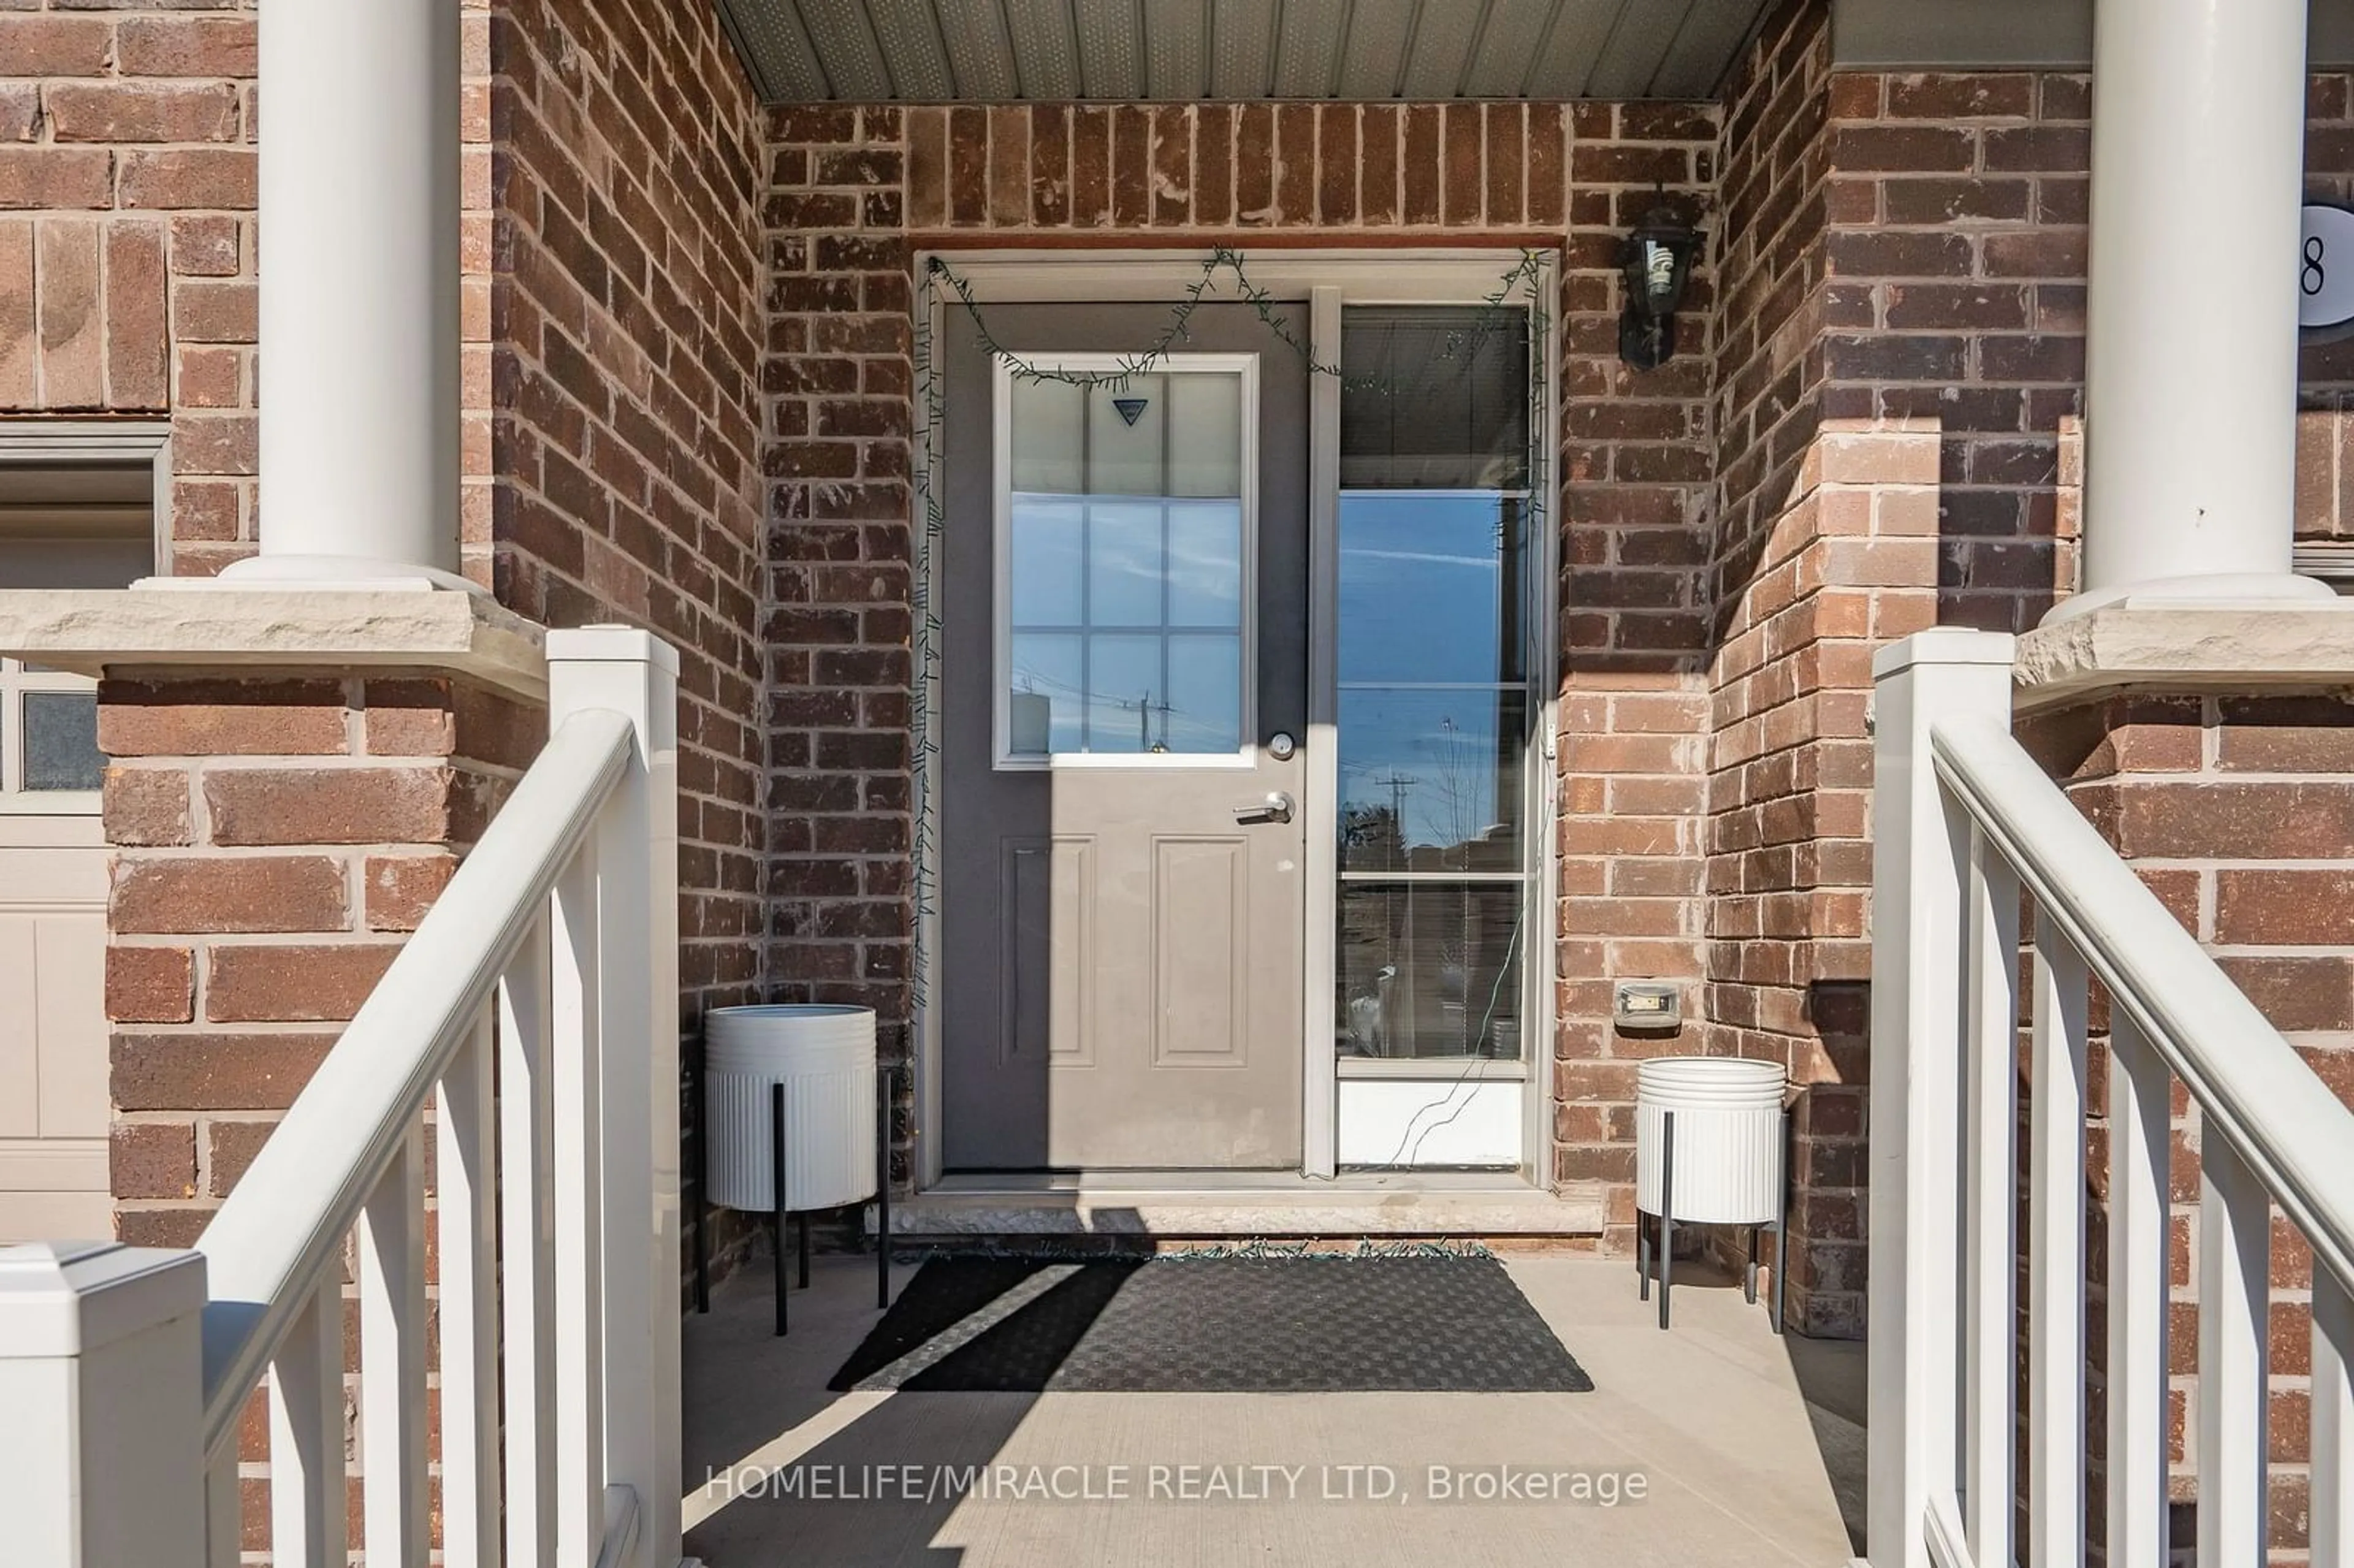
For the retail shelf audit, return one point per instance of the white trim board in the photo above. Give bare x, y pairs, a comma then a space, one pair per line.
1417, 275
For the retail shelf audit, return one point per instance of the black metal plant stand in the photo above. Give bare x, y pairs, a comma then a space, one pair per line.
885, 1079
1665, 1248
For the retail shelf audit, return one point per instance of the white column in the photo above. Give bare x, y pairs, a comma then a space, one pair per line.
102, 1374
2191, 384
359, 269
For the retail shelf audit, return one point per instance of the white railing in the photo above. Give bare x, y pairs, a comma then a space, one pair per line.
1964, 823
533, 1009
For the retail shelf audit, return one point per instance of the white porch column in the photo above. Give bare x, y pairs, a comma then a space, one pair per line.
359, 269
2190, 388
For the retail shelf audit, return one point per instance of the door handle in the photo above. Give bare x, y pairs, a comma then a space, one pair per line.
1277, 808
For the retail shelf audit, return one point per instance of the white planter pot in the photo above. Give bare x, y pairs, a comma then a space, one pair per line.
1729, 1146
824, 1055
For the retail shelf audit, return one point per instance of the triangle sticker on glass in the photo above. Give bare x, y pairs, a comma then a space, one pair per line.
1131, 408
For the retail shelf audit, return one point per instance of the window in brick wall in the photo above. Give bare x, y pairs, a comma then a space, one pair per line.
67, 521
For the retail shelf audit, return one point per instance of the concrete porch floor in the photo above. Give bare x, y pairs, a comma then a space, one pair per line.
1750, 1448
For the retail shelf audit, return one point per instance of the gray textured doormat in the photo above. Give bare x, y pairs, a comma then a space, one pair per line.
1214, 1325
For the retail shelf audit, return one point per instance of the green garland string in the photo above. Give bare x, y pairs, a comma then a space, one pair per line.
1517, 304
1496, 310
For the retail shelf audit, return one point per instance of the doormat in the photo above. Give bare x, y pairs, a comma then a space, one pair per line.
1214, 1325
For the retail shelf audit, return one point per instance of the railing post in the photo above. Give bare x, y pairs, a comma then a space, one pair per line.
1918, 858
635, 854
101, 1374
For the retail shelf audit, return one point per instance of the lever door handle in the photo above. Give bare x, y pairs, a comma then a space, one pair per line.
1277, 808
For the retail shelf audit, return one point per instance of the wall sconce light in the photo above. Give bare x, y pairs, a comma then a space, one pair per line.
1657, 260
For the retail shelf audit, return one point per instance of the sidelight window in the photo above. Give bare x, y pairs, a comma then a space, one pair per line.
1435, 607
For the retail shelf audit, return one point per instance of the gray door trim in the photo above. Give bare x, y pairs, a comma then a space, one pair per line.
1320, 1062
1325, 279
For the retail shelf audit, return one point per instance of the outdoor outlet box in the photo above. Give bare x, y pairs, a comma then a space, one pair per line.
1646, 1004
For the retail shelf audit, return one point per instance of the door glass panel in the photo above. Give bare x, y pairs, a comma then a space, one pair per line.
1205, 563
1049, 547
1048, 685
1051, 456
1125, 599
1124, 564
1434, 398
1430, 969
61, 734
1433, 587
1127, 428
1205, 692
1433, 780
1126, 700
1205, 435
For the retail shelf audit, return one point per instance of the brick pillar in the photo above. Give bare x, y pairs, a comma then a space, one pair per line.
273, 840
1849, 562
2237, 810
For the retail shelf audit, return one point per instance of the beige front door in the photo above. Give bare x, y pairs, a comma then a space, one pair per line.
63, 524
1124, 696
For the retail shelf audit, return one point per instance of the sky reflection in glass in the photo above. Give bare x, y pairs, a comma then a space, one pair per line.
1429, 592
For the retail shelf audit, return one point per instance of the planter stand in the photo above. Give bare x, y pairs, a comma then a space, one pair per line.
735, 1128
1667, 1241
1732, 1167
884, 1078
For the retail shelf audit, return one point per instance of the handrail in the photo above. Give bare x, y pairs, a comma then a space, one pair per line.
283, 1224
2250, 1083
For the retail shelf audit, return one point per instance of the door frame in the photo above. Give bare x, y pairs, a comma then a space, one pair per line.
1325, 281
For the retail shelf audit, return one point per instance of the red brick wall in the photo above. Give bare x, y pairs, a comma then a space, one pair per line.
625, 306
1767, 371
611, 455
273, 838
1957, 244
1955, 262
1635, 524
1824, 543
126, 239
837, 380
1893, 247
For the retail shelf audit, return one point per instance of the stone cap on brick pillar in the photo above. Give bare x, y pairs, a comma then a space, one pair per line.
2187, 648
98, 632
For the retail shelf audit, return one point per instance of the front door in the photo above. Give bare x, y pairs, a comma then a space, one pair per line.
1123, 692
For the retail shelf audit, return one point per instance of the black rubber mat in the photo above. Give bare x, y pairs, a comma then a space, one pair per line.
1242, 1325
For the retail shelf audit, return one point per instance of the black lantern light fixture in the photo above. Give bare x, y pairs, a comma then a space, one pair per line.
1657, 260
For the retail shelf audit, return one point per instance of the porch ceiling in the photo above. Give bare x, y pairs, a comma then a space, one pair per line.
936, 51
